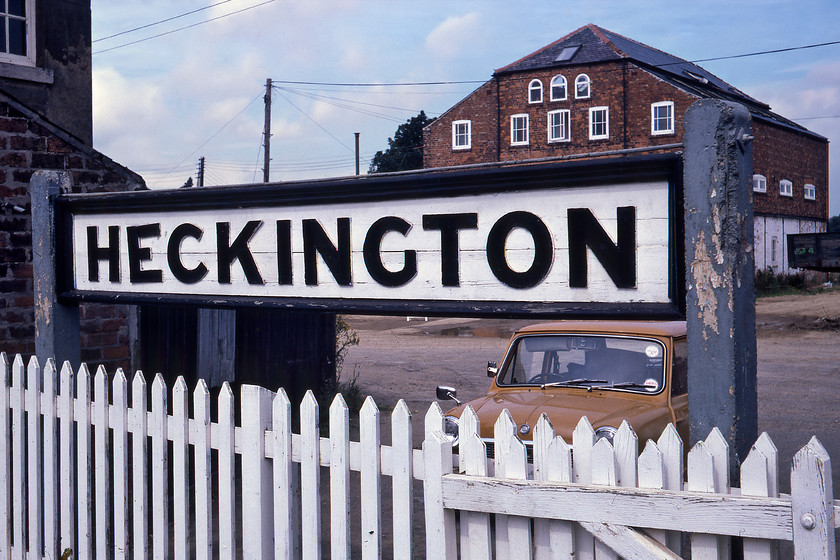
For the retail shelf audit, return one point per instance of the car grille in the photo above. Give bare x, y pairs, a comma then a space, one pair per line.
491, 449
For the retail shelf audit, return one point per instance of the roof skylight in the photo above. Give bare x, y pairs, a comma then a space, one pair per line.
567, 53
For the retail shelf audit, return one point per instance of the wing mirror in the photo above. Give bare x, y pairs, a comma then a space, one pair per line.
444, 393
492, 369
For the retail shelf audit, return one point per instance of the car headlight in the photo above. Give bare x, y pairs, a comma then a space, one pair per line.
605, 432
450, 428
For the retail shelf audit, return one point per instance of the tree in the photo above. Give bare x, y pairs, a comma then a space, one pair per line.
405, 149
834, 223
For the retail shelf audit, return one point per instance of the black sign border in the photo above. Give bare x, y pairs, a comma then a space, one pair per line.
433, 183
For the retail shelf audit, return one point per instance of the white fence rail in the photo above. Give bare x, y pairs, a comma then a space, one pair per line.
91, 467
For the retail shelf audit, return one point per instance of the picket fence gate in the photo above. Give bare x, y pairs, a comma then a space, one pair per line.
75, 479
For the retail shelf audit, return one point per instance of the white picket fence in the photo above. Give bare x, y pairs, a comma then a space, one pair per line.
108, 478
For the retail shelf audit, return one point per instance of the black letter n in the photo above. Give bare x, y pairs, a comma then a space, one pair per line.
619, 259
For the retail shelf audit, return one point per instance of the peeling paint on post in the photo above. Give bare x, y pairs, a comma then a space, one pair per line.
720, 301
56, 325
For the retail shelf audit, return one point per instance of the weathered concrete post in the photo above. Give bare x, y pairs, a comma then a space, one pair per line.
56, 324
720, 301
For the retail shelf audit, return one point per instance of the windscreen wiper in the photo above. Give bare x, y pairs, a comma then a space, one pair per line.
625, 384
574, 383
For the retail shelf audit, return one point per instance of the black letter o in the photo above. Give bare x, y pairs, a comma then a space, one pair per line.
543, 250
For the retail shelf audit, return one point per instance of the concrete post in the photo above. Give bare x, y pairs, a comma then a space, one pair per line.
720, 301
56, 324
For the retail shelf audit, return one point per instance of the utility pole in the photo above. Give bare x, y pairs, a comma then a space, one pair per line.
200, 175
267, 130
357, 152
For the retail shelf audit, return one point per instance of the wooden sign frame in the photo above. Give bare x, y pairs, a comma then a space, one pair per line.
602, 238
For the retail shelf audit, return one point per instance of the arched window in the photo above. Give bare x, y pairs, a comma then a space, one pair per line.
582, 83
535, 91
558, 88
759, 183
785, 188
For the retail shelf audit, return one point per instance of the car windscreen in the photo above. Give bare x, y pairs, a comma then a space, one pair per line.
611, 362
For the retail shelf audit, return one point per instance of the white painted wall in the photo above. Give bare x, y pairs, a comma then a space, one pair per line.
771, 240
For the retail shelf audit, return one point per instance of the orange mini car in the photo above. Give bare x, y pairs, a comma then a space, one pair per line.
608, 371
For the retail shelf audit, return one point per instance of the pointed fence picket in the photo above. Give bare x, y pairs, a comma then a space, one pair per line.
76, 451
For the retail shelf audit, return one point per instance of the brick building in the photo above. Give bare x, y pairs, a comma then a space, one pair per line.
595, 93
46, 123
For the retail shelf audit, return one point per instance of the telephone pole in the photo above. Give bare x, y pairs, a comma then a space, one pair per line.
357, 152
200, 175
267, 130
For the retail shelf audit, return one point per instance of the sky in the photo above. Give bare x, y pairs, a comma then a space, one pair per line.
191, 87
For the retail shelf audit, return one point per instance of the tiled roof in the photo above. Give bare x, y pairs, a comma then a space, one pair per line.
597, 45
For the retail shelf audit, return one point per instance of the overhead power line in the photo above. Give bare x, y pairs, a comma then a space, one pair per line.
380, 84
127, 31
759, 53
186, 27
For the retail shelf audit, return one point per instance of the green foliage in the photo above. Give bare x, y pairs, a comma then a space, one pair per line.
345, 337
405, 149
768, 282
834, 224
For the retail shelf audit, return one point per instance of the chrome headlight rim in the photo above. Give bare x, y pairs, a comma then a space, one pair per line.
606, 432
451, 428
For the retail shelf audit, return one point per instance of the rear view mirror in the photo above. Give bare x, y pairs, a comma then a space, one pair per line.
445, 393
492, 369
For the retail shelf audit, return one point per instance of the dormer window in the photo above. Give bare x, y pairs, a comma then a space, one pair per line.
17, 33
558, 88
535, 91
810, 192
785, 188
582, 83
759, 183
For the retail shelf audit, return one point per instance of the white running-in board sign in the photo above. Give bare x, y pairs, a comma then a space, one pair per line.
607, 243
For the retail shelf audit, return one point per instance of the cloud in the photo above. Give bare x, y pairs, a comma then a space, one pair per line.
454, 35
120, 103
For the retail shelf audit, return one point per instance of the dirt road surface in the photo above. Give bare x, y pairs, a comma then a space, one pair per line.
798, 340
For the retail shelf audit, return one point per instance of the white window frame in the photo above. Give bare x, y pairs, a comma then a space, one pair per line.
810, 192
514, 129
559, 81
456, 136
535, 86
564, 124
656, 119
785, 188
29, 58
774, 249
759, 183
580, 80
592, 123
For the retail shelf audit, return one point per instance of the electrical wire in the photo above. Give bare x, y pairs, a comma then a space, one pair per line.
127, 31
185, 27
330, 134
191, 154
759, 53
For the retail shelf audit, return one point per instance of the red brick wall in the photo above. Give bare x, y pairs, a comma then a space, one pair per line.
628, 91
615, 85
780, 153
480, 107
25, 147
